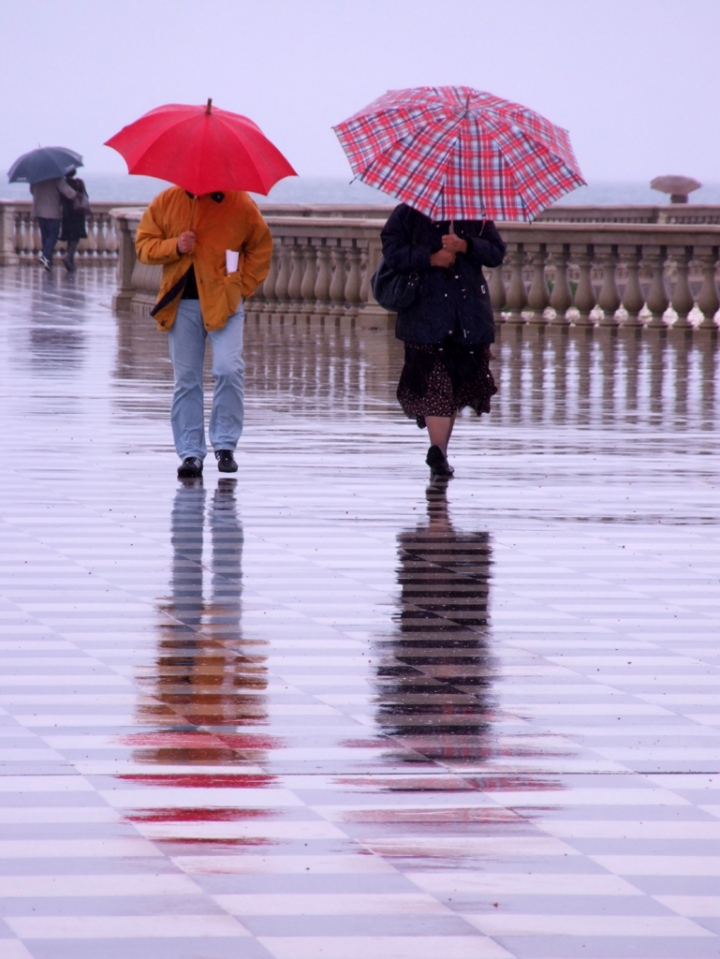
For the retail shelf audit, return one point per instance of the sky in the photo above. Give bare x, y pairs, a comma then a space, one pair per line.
636, 82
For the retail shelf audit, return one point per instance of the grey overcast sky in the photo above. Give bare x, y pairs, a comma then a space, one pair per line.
636, 82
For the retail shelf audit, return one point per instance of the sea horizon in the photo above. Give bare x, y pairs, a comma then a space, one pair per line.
123, 188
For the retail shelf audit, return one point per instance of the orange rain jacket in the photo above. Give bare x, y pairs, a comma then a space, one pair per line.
233, 224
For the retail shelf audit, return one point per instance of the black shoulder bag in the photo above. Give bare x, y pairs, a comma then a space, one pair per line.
394, 291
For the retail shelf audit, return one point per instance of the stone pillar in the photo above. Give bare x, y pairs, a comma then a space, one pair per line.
307, 288
516, 297
125, 229
609, 298
324, 275
708, 300
537, 298
633, 299
584, 301
8, 255
561, 296
657, 298
682, 298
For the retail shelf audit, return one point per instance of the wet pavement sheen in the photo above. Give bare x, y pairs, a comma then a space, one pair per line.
326, 709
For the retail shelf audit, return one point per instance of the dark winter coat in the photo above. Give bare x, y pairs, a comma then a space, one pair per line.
455, 300
73, 221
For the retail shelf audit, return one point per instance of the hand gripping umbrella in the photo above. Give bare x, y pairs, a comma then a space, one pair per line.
202, 149
455, 153
45, 163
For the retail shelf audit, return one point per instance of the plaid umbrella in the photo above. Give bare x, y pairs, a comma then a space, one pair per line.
455, 153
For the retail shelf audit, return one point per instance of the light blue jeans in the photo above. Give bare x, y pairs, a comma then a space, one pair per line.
187, 339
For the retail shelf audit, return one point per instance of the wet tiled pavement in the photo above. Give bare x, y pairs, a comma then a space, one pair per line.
327, 710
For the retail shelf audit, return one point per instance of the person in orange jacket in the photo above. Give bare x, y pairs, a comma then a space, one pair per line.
195, 240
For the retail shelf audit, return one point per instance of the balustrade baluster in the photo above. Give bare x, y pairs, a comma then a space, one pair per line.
633, 299
324, 277
33, 240
35, 245
112, 244
307, 288
538, 297
657, 299
89, 247
584, 299
496, 286
682, 299
337, 283
281, 284
266, 296
365, 278
352, 286
20, 235
609, 297
297, 264
561, 296
516, 297
708, 301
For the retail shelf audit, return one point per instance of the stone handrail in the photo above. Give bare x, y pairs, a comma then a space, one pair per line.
554, 273
20, 235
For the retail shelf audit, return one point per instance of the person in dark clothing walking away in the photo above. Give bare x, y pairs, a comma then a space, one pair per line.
448, 328
74, 211
46, 209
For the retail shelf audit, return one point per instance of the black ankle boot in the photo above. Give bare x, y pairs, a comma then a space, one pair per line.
437, 462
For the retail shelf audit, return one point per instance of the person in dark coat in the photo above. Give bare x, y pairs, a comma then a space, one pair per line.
74, 227
448, 328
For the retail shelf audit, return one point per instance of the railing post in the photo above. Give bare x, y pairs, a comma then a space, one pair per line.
297, 263
266, 295
281, 285
8, 256
657, 299
352, 286
496, 286
537, 298
633, 299
682, 299
561, 295
337, 283
324, 276
516, 297
127, 258
307, 287
708, 300
584, 300
609, 298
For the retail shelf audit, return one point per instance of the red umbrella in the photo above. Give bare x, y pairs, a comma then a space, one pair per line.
201, 149
455, 153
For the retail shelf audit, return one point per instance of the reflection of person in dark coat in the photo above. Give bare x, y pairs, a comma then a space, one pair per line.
449, 327
74, 228
434, 674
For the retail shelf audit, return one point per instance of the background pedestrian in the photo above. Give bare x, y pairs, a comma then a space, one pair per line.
74, 211
47, 210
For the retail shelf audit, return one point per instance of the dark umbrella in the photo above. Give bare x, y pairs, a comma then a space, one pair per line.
45, 163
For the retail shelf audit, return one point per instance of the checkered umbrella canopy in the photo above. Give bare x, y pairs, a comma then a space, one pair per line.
455, 153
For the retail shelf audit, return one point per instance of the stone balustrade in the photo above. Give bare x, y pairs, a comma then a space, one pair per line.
559, 273
20, 235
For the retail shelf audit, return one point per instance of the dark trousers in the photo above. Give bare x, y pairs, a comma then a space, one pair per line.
49, 232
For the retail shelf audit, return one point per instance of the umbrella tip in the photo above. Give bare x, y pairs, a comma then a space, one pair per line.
208, 108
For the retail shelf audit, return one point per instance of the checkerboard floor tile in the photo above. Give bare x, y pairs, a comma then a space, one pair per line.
327, 709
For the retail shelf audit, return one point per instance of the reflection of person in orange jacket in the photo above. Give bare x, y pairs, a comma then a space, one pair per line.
190, 238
